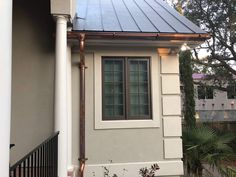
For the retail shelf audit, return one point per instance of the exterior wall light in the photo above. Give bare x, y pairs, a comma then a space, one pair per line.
184, 47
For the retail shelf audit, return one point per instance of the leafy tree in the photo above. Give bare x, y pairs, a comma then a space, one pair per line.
217, 17
188, 88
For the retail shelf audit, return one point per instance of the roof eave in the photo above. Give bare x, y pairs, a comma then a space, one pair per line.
149, 35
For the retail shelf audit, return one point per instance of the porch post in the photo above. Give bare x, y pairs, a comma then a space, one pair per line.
5, 84
69, 108
61, 93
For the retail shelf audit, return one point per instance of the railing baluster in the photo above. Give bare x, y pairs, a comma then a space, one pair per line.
35, 162
49, 158
31, 165
24, 169
41, 162
53, 171
38, 162
19, 171
46, 160
28, 165
14, 172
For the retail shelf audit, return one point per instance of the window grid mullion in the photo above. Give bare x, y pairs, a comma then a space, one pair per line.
127, 94
113, 83
125, 89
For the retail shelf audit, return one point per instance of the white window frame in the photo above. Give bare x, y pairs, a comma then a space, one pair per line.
155, 92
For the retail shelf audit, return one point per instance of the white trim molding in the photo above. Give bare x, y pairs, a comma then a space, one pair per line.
6, 83
167, 168
155, 92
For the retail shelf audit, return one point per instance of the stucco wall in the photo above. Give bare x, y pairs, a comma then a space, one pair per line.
130, 147
113, 144
33, 75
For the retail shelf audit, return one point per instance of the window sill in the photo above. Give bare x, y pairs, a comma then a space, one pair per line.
126, 124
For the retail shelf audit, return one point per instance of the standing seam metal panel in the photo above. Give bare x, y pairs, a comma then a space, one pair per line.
131, 16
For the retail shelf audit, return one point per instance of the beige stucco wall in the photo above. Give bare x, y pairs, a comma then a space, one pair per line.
33, 75
118, 145
137, 147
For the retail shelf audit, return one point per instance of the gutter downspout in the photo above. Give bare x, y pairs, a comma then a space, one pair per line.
82, 68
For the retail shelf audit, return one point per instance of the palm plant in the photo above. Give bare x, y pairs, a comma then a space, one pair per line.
204, 145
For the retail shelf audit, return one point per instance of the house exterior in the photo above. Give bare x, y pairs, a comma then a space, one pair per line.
214, 105
104, 74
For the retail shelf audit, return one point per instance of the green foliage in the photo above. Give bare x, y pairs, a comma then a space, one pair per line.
187, 82
204, 145
228, 172
217, 17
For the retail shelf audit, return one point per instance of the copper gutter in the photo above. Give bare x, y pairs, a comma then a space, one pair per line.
130, 35
82, 68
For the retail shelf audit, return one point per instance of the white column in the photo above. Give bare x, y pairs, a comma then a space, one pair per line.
5, 84
69, 109
61, 93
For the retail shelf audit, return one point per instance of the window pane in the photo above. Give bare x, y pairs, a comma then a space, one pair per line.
109, 100
108, 88
134, 99
144, 110
108, 76
143, 65
113, 90
143, 87
143, 98
118, 99
108, 66
118, 110
231, 92
134, 66
134, 88
118, 88
109, 110
201, 92
133, 76
118, 76
143, 76
118, 66
138, 88
209, 92
134, 110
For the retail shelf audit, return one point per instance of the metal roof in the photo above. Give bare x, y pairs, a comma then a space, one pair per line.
147, 16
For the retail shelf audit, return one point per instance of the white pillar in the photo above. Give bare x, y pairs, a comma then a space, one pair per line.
5, 84
69, 109
61, 93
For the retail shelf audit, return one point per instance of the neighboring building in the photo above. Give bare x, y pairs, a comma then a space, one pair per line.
109, 84
214, 105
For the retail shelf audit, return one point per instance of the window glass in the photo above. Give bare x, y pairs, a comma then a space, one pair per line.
113, 91
126, 88
231, 92
205, 92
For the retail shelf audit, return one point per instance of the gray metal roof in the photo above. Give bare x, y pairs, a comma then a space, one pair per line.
149, 16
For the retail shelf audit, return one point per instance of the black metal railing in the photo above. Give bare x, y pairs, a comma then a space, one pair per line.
40, 162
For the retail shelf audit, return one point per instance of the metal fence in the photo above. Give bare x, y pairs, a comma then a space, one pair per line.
40, 162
